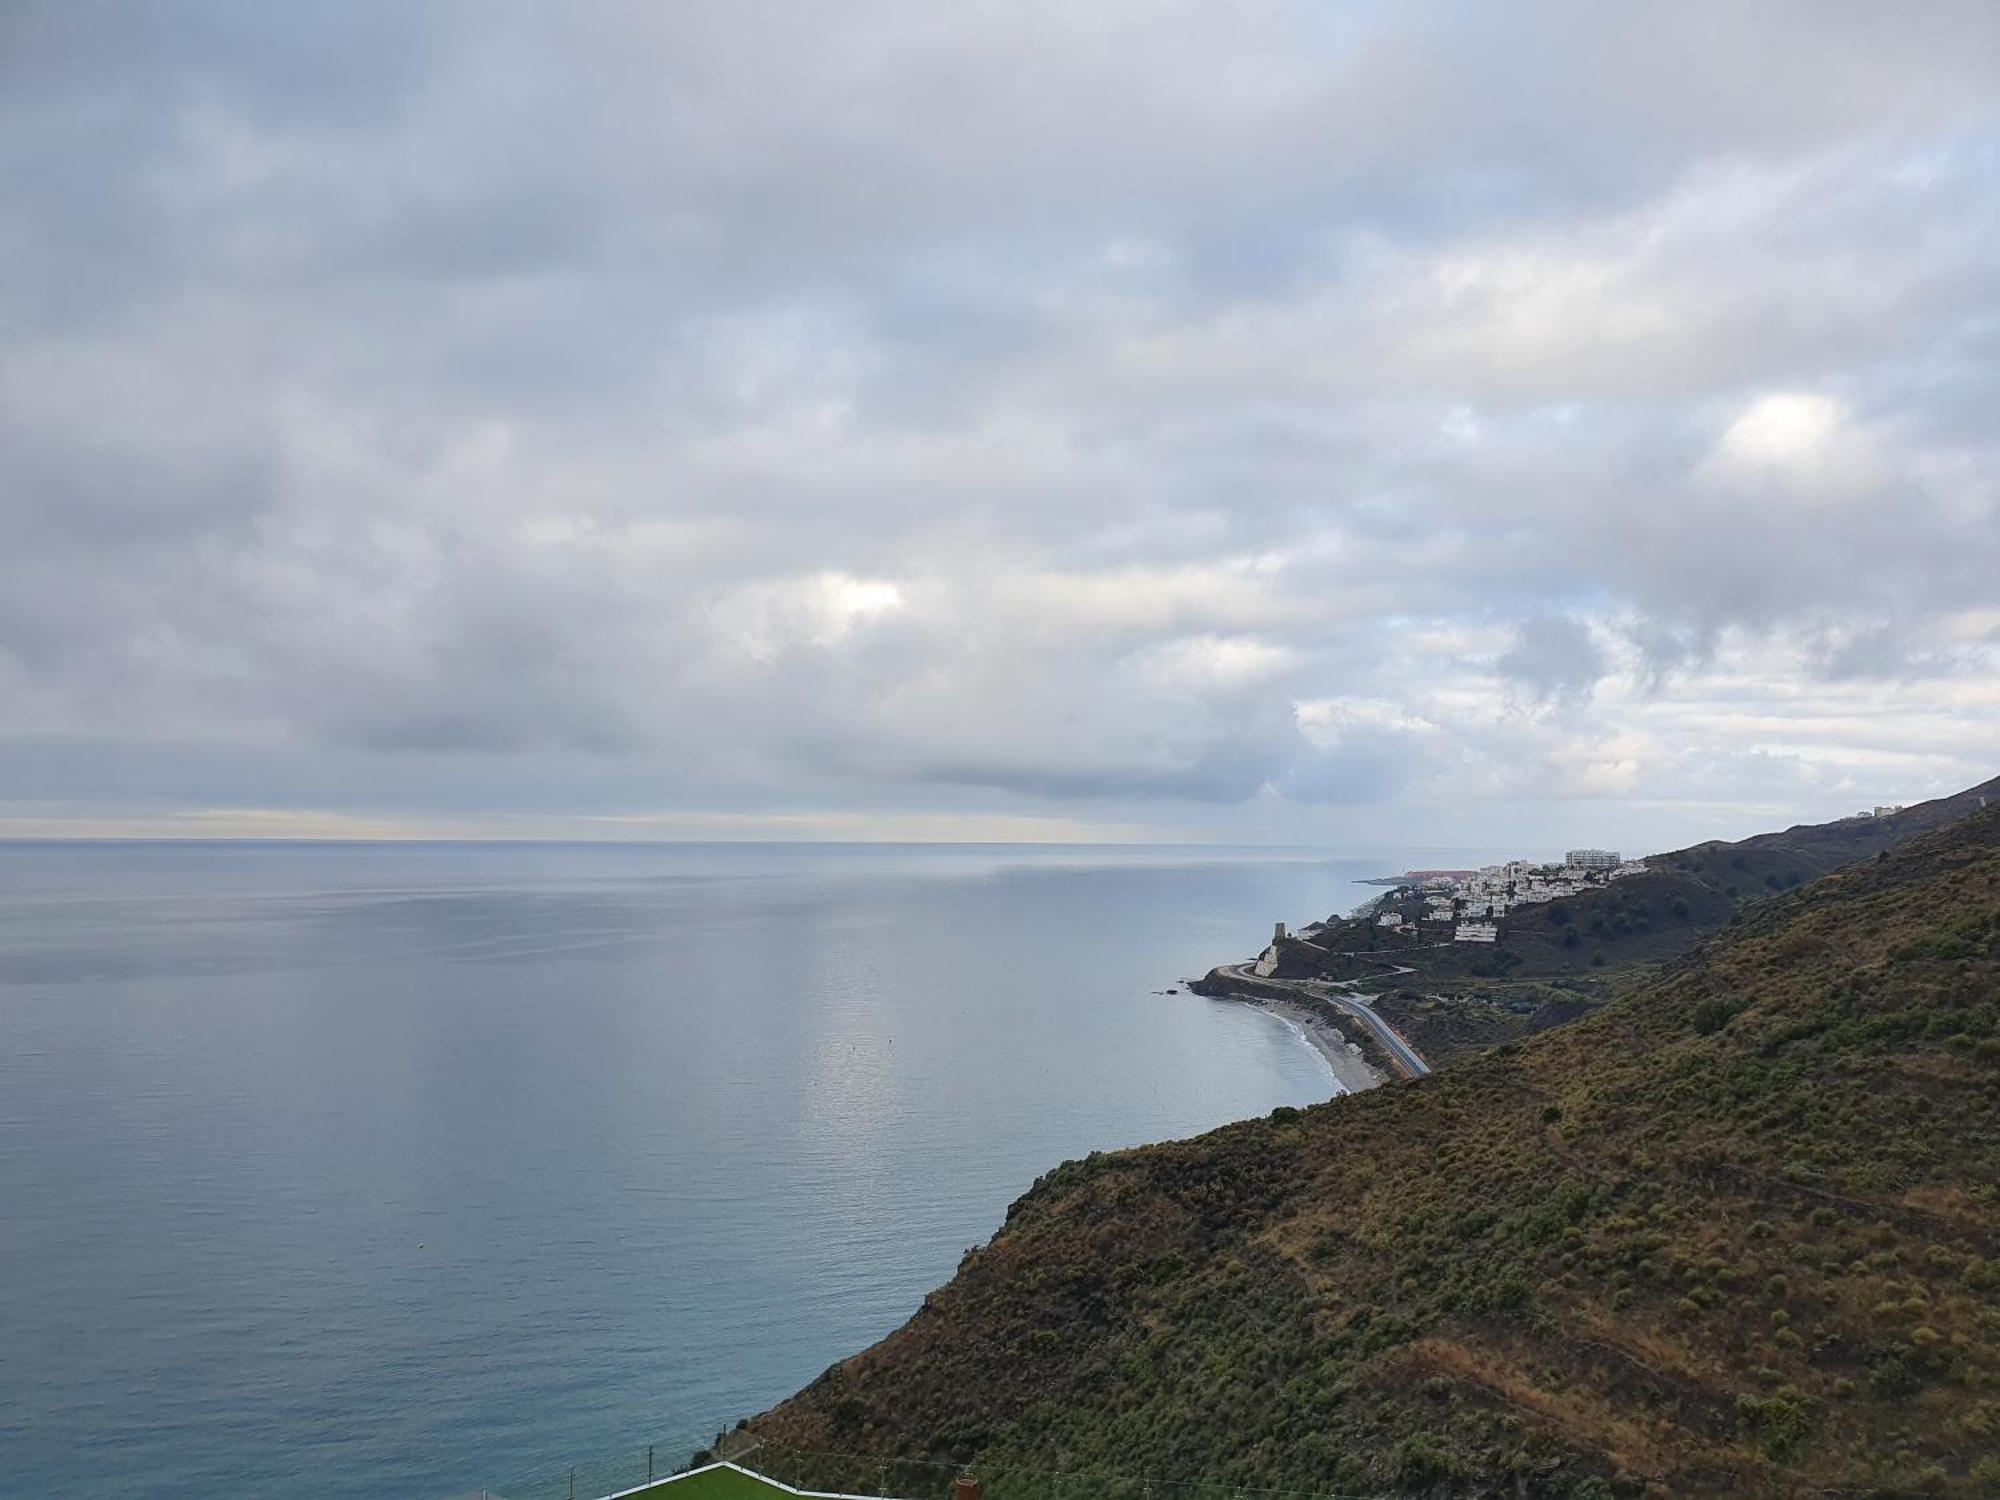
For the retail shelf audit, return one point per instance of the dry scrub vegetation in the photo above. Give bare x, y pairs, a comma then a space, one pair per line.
1737, 1233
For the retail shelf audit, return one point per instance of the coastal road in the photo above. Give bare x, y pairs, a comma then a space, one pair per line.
1400, 1052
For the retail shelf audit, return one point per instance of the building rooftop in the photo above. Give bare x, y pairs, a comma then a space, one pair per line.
725, 1481
847, 1476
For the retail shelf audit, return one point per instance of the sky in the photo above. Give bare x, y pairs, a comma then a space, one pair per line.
1369, 426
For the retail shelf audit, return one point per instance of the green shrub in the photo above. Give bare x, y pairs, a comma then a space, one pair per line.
1422, 1461
1713, 1014
1891, 1378
1777, 1425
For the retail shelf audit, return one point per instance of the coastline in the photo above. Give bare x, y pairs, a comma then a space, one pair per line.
1350, 1071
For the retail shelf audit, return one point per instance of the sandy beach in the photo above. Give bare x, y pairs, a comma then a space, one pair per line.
1349, 1070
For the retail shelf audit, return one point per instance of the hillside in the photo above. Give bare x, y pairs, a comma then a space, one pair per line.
1735, 1233
1600, 940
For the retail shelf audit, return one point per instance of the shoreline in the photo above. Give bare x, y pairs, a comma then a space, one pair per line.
1351, 1072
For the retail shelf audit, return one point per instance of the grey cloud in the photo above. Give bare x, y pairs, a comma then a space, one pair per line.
1555, 656
1221, 774
1231, 766
1017, 408
1664, 649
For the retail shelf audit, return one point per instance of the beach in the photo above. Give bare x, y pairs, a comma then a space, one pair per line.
1352, 1072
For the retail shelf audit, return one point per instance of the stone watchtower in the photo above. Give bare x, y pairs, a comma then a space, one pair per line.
1277, 933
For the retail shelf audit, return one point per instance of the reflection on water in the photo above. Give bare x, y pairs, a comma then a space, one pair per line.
374, 1170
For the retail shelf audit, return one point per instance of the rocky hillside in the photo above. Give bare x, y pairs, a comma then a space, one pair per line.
1736, 1233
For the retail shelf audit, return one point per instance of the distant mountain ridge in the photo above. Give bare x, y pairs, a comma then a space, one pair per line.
1734, 1233
1848, 839
1594, 940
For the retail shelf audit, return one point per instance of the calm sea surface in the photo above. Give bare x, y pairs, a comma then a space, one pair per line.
391, 1171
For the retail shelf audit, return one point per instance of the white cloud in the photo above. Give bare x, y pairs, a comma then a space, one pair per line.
1325, 721
1211, 664
766, 619
1797, 445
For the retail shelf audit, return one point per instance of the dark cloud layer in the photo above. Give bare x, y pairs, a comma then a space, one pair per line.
1232, 421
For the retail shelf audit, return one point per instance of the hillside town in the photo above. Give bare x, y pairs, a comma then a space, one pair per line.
1472, 902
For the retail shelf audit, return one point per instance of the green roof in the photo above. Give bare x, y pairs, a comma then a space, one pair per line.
723, 1481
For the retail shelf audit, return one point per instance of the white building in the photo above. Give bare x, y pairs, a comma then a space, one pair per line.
1592, 859
1475, 932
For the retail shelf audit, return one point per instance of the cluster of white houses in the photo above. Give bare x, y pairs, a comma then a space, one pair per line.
1471, 903
1881, 811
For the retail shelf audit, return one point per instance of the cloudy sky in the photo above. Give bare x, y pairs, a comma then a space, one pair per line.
1493, 425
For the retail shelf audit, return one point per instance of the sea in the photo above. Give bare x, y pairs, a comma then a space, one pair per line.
404, 1170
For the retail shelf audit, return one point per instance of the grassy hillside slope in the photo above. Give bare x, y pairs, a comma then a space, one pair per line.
1737, 1233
